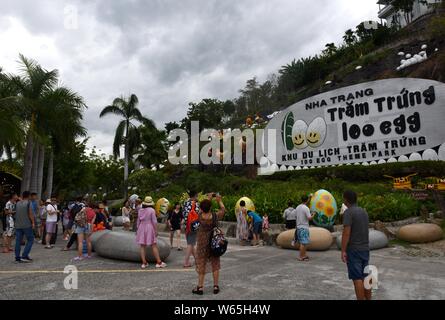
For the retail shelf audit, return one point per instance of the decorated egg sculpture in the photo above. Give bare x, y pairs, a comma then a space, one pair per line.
316, 133
249, 204
324, 204
161, 207
299, 134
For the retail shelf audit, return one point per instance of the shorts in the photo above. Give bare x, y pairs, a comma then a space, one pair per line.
302, 236
357, 261
258, 227
176, 227
84, 230
191, 238
51, 227
9, 230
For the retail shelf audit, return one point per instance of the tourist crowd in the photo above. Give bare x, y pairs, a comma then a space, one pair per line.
28, 218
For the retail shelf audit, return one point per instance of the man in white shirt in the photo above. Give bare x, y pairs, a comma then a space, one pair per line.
302, 232
51, 222
289, 216
9, 223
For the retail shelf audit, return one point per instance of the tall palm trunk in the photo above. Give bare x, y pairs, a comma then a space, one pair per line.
27, 166
126, 156
50, 174
34, 170
40, 171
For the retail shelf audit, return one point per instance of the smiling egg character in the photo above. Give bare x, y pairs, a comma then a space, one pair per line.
316, 133
299, 134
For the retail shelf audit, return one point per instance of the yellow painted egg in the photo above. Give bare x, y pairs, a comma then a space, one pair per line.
161, 207
323, 202
249, 204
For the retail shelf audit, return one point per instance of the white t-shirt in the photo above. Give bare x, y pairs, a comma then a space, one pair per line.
52, 213
303, 215
289, 214
10, 207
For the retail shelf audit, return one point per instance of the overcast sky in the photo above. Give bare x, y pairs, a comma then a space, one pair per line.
167, 52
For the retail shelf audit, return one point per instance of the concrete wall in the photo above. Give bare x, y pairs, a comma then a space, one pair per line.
419, 10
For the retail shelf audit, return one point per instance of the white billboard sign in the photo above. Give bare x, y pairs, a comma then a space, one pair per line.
371, 121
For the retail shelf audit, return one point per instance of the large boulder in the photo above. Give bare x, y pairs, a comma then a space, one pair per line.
123, 246
117, 221
420, 233
321, 239
95, 236
377, 240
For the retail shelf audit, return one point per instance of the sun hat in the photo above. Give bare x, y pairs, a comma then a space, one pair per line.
148, 201
48, 201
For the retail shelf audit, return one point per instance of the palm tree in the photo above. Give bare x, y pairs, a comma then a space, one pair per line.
127, 133
41, 105
63, 128
331, 48
11, 132
34, 83
349, 38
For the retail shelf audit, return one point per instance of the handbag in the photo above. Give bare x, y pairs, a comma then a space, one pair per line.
218, 242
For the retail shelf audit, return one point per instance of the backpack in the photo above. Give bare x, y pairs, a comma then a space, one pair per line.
74, 210
192, 220
81, 218
218, 243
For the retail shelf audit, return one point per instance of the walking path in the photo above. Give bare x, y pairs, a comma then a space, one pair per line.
247, 273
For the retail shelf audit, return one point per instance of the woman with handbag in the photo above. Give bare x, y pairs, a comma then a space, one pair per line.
205, 261
84, 221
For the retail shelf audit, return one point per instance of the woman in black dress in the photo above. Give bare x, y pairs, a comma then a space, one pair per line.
174, 221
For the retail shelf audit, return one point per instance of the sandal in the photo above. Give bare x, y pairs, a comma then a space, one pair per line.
198, 291
187, 266
215, 289
303, 259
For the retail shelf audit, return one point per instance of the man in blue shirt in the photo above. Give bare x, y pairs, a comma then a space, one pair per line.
257, 223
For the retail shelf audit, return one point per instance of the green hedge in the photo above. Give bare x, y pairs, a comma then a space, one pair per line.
271, 193
361, 173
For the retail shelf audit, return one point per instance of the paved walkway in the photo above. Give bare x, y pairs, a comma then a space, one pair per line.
247, 273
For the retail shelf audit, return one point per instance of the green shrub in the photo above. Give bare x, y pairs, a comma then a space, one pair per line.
392, 206
437, 27
366, 174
